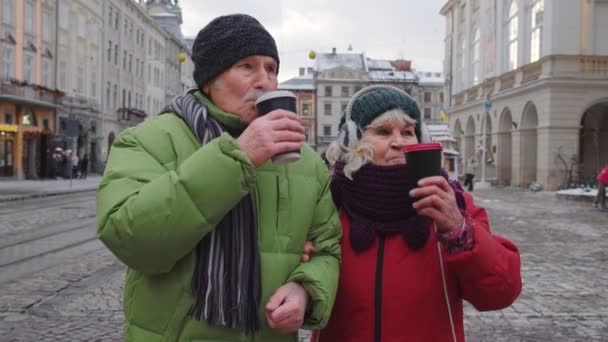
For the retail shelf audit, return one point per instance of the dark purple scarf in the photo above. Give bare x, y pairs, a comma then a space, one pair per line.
377, 201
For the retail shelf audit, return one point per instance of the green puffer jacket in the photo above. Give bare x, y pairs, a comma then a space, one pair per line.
162, 192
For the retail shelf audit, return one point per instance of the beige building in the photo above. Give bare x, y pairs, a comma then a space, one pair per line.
531, 76
133, 67
28, 96
79, 74
429, 94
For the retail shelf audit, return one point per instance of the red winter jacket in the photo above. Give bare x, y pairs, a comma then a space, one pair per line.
603, 176
390, 293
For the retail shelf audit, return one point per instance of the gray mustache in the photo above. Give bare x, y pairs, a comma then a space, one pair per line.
253, 94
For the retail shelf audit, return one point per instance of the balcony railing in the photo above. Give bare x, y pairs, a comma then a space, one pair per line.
30, 92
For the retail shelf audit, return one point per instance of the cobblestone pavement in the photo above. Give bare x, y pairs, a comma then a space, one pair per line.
563, 244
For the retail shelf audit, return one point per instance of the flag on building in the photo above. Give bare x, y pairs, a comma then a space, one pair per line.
443, 114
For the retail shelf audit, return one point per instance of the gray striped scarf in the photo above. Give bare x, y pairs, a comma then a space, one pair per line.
226, 279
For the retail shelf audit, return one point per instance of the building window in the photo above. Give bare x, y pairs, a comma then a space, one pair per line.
306, 105
94, 83
8, 65
441, 97
82, 27
328, 91
343, 106
108, 94
46, 72
130, 62
124, 60
345, 92
115, 96
536, 33
463, 11
109, 51
110, 16
512, 31
64, 20
427, 97
94, 32
8, 118
327, 109
115, 54
29, 17
476, 56
357, 88
80, 80
63, 75
427, 113
28, 68
327, 130
460, 60
116, 20
47, 28
29, 118
8, 10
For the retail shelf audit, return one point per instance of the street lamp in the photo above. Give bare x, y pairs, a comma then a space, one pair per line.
487, 106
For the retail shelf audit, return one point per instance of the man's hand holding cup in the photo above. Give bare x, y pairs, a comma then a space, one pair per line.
277, 133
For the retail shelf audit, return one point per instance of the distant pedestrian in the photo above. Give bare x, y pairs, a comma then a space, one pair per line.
469, 173
74, 158
84, 167
602, 181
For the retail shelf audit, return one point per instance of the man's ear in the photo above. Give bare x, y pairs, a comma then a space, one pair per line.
205, 89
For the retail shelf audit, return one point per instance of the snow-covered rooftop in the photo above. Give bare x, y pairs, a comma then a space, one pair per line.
304, 82
440, 132
326, 61
428, 77
391, 76
378, 64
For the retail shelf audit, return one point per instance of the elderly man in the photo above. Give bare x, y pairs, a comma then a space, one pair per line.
211, 230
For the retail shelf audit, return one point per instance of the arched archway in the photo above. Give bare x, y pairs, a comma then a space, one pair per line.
593, 151
529, 144
488, 169
504, 155
458, 134
469, 139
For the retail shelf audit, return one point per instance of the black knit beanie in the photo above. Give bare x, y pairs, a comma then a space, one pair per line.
371, 102
225, 41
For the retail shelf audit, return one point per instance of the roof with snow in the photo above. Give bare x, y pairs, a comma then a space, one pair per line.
440, 132
430, 78
396, 76
378, 64
327, 61
304, 82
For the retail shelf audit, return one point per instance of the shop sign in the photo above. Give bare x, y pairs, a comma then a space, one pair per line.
8, 128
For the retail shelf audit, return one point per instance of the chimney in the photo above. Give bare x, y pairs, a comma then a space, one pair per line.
333, 51
309, 71
301, 71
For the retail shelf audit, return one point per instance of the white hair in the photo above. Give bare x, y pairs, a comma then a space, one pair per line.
363, 152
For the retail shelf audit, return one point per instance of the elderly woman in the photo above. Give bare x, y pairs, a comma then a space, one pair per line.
411, 252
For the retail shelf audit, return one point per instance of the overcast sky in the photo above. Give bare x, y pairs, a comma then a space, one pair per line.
383, 29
